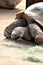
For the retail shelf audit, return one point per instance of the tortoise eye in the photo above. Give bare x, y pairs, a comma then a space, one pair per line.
15, 35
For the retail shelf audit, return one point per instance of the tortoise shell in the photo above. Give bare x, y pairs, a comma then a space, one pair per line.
33, 13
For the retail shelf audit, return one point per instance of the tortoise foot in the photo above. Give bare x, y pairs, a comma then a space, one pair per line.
39, 38
7, 34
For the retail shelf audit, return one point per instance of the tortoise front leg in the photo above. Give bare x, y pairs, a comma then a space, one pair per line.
36, 33
18, 22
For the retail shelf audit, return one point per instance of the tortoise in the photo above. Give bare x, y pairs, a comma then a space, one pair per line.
32, 18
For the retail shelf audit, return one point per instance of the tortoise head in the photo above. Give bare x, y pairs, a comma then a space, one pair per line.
17, 33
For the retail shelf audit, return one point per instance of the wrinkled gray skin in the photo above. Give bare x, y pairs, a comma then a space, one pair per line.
35, 27
9, 4
36, 32
21, 32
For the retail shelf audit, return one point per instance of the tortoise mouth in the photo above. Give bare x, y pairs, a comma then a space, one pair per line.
15, 37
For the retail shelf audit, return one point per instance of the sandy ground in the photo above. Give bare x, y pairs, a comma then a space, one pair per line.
10, 61
7, 55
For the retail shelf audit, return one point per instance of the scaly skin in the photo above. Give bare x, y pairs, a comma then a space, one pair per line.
36, 33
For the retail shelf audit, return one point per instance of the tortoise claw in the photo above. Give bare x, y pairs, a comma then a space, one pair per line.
7, 34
